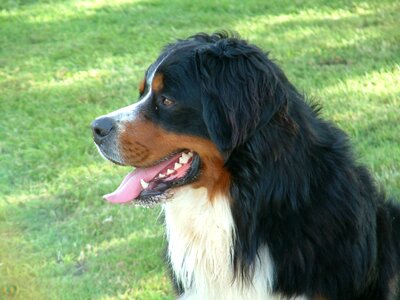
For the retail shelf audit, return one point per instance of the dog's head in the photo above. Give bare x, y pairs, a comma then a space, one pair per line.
200, 100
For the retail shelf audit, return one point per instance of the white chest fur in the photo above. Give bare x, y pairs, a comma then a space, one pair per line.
200, 236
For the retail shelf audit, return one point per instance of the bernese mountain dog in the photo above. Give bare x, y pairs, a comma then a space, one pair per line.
263, 199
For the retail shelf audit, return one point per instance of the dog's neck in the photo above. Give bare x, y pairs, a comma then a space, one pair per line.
200, 237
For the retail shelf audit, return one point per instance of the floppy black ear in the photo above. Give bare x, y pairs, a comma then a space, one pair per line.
240, 90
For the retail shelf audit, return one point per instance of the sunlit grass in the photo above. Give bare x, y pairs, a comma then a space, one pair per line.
64, 62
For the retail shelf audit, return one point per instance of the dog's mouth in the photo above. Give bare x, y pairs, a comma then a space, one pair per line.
149, 186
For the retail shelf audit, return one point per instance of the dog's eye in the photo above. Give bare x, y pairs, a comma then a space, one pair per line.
167, 102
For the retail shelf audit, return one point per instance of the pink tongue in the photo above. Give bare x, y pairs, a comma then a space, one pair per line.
130, 188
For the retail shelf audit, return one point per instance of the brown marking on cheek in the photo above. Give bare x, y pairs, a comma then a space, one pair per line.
158, 83
137, 150
142, 86
213, 175
142, 143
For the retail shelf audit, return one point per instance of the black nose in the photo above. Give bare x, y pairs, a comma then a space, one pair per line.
101, 128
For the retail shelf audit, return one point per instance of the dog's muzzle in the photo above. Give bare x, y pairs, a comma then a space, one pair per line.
105, 135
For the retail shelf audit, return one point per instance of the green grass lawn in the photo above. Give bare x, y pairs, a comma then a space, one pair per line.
62, 63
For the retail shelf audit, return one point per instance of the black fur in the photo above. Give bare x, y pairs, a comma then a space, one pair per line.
295, 183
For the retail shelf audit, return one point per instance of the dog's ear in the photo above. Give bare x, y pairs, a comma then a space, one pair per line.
240, 90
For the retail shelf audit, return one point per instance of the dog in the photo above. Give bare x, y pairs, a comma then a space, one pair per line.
263, 199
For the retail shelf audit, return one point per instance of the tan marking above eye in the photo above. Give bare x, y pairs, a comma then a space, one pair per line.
142, 86
158, 83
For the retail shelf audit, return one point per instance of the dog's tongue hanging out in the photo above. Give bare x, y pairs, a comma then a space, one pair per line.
149, 178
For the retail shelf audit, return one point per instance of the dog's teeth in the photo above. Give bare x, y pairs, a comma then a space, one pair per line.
177, 166
169, 172
161, 175
184, 159
144, 184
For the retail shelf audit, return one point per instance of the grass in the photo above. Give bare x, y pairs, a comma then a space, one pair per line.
62, 63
